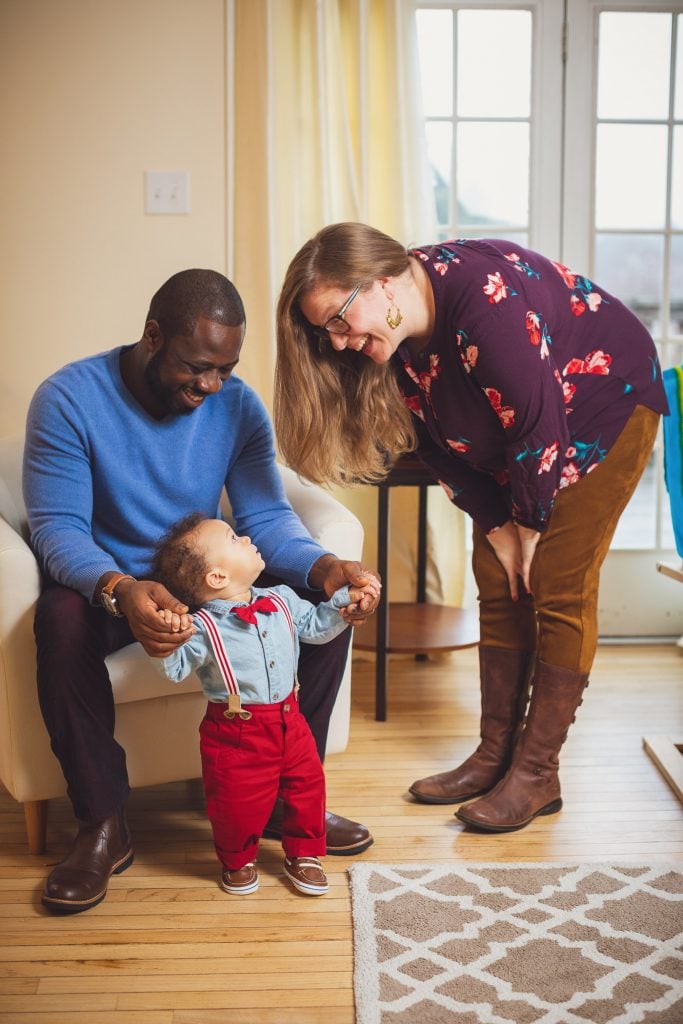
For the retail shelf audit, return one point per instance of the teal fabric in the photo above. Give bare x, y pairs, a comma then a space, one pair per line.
673, 450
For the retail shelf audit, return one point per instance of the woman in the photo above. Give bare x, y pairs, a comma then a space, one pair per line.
534, 397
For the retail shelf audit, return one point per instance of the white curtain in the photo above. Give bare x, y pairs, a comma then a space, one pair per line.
324, 125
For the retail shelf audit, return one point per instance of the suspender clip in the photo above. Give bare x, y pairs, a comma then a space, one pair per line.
235, 708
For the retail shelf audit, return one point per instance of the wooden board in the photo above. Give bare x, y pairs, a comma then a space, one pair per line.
667, 754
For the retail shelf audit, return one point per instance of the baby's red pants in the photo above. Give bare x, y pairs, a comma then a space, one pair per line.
247, 765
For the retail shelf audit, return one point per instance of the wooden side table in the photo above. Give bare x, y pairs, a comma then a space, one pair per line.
404, 627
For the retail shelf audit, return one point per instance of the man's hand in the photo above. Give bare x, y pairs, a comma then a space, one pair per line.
331, 573
141, 601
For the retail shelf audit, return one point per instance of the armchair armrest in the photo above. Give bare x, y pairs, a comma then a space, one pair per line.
20, 719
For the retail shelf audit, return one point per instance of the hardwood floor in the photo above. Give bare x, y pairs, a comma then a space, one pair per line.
169, 947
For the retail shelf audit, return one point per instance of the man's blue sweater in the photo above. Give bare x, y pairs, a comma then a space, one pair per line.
103, 480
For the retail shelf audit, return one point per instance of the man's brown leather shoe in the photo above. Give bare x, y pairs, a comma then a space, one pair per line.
344, 837
79, 882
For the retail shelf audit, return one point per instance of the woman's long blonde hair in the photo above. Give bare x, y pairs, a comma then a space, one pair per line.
339, 417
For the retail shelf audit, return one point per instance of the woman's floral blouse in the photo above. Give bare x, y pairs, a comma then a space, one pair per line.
527, 381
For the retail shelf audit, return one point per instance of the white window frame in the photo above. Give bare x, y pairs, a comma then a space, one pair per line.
562, 218
545, 170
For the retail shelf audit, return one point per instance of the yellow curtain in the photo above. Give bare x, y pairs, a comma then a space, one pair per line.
324, 126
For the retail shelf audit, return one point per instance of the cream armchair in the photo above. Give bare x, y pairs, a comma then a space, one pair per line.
156, 721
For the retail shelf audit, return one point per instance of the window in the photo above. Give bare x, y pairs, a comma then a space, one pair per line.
560, 125
478, 118
638, 209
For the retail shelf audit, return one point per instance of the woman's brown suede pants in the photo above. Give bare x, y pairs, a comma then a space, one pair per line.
560, 621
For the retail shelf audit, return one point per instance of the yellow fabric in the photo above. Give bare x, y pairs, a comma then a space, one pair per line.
323, 126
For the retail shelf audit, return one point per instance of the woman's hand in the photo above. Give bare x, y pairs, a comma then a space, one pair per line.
505, 541
514, 547
528, 540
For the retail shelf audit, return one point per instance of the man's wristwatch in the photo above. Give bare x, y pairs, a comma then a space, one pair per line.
107, 598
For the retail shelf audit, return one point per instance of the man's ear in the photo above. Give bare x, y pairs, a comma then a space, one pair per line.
216, 579
152, 336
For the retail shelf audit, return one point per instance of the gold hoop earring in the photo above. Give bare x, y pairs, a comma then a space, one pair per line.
394, 319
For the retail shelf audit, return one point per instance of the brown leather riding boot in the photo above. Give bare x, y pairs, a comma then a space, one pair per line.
532, 785
504, 676
79, 882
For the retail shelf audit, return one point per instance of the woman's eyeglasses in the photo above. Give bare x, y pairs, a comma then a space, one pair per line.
337, 324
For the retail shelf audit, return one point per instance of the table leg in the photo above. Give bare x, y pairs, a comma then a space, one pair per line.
422, 553
383, 609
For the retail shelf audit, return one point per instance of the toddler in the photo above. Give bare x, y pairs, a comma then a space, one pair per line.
255, 743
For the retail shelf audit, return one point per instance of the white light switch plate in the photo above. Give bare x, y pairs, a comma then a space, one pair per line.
167, 191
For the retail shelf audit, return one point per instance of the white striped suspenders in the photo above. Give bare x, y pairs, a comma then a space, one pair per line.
223, 661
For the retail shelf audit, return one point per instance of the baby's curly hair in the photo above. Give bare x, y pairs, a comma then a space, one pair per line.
179, 565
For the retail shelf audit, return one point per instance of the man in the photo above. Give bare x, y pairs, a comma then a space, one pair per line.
119, 446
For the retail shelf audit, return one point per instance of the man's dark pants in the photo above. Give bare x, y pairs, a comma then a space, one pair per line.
73, 638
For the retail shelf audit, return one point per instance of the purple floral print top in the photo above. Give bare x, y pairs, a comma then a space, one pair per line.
526, 382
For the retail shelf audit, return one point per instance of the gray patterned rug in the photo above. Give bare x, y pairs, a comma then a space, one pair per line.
518, 943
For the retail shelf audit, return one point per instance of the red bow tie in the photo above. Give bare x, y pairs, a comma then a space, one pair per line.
261, 604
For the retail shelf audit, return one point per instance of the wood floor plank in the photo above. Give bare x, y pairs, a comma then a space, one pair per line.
238, 979
31, 1016
78, 1001
169, 947
238, 999
269, 1015
18, 986
176, 951
75, 972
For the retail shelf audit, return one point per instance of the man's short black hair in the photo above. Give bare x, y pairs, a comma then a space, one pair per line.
189, 294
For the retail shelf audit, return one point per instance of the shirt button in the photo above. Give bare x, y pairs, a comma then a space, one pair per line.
264, 633
271, 664
276, 696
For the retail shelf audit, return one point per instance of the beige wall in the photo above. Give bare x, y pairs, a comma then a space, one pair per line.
92, 94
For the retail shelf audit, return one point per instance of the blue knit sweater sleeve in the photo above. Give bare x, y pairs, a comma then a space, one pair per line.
260, 508
58, 491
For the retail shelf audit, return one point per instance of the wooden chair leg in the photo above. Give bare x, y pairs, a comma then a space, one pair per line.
35, 815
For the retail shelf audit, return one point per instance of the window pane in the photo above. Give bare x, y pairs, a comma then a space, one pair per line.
435, 48
677, 180
494, 63
493, 174
636, 528
634, 65
676, 278
516, 237
678, 98
668, 540
630, 267
630, 186
439, 140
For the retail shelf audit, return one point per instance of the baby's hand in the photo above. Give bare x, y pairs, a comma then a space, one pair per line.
355, 594
178, 623
373, 587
